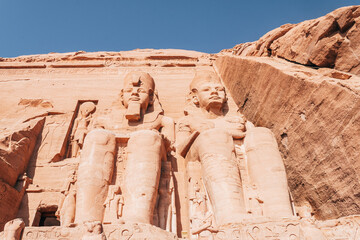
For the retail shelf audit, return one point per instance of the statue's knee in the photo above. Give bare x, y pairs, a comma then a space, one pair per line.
100, 137
214, 135
257, 137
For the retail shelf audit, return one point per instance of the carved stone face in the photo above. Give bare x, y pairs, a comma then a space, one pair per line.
136, 94
86, 108
210, 94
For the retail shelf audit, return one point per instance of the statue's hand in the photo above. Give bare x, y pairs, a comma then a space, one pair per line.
235, 127
237, 134
157, 131
205, 126
169, 145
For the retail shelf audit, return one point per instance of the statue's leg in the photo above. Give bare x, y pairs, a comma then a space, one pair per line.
142, 176
94, 175
221, 175
267, 172
74, 149
69, 210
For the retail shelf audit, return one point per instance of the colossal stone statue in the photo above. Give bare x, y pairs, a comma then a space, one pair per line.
207, 134
138, 120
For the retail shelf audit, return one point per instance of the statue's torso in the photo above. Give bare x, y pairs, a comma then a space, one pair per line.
116, 122
200, 123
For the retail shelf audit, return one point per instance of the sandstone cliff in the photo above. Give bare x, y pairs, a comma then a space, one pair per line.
301, 80
331, 41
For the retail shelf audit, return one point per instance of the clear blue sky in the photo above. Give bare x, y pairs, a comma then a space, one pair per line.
43, 26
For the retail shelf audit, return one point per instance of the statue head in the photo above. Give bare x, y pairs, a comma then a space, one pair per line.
137, 93
206, 90
138, 87
87, 108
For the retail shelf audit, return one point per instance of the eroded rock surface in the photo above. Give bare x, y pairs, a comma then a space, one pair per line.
331, 41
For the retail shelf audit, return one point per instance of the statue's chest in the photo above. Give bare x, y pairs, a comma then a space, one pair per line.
117, 123
129, 127
202, 124
132, 128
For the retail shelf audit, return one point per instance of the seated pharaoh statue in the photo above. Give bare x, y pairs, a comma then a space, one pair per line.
138, 121
222, 144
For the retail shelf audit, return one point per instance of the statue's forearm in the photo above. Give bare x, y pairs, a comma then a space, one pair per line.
185, 142
168, 128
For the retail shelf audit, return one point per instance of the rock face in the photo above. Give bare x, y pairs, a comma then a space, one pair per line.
15, 153
330, 41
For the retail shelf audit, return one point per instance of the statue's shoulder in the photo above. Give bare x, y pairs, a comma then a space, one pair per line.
184, 124
187, 120
166, 120
107, 118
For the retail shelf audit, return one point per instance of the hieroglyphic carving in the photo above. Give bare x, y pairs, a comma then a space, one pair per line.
94, 231
97, 231
136, 231
265, 229
346, 228
52, 233
113, 204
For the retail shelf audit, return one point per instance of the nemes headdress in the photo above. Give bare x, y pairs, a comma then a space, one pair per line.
203, 77
138, 79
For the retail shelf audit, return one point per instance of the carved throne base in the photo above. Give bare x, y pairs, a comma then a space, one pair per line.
111, 231
346, 228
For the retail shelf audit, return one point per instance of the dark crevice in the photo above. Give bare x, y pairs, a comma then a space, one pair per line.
245, 101
309, 64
